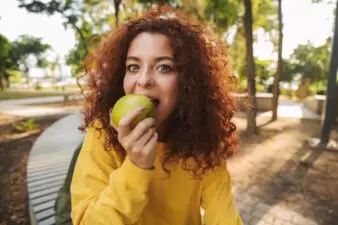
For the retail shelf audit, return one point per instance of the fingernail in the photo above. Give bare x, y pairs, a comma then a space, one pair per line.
141, 109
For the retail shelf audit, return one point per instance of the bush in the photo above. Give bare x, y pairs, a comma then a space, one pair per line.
38, 86
25, 126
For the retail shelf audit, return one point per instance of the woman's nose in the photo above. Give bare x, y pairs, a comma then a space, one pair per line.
145, 79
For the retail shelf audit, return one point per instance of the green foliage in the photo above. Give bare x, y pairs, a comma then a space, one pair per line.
24, 126
15, 76
26, 46
38, 86
288, 71
264, 17
14, 54
149, 2
78, 53
312, 62
5, 48
223, 13
264, 70
86, 18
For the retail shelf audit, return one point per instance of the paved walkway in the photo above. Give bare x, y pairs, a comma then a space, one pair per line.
288, 109
292, 109
23, 107
255, 212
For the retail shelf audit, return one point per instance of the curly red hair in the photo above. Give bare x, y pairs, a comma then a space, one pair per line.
201, 127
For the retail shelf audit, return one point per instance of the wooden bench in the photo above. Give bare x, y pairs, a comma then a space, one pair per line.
47, 167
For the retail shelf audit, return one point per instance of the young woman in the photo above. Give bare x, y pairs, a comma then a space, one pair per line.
167, 168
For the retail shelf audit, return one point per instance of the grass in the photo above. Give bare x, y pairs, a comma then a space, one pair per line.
16, 94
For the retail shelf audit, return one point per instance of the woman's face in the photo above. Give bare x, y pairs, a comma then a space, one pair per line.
151, 71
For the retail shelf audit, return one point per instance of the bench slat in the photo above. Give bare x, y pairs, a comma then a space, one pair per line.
51, 165
43, 199
45, 214
56, 183
49, 221
47, 175
44, 192
46, 181
44, 173
43, 206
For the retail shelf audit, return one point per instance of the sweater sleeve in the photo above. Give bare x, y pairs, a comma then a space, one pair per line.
102, 192
217, 198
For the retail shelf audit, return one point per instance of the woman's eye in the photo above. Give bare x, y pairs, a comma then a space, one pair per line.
165, 68
132, 68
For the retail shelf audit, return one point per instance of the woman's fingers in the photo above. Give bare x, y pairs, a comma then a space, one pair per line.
141, 128
144, 156
139, 142
150, 146
130, 141
124, 126
145, 137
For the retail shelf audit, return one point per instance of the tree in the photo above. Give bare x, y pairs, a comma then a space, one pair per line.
331, 86
25, 47
279, 63
70, 10
87, 18
264, 18
312, 61
5, 49
251, 112
223, 13
117, 4
263, 70
288, 71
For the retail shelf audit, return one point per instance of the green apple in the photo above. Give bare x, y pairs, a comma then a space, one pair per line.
129, 103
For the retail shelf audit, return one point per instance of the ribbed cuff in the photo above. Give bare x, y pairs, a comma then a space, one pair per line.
134, 176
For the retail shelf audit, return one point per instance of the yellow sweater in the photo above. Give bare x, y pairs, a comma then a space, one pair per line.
105, 190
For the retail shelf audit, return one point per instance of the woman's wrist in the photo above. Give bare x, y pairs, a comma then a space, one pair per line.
142, 166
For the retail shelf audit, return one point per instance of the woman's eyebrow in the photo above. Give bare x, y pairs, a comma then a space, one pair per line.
158, 59
134, 58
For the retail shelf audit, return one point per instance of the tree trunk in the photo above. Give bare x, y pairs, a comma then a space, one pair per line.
279, 64
1, 84
251, 112
27, 76
7, 79
331, 85
117, 11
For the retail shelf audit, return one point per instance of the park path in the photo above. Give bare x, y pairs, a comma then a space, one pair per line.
25, 107
22, 107
292, 109
288, 109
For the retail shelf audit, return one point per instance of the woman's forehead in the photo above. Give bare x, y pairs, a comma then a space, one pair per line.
150, 44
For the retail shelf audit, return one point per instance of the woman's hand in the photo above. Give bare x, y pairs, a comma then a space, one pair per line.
139, 142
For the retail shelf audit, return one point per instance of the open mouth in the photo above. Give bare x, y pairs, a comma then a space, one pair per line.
155, 102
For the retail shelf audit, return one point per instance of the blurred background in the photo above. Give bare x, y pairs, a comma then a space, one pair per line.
284, 54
